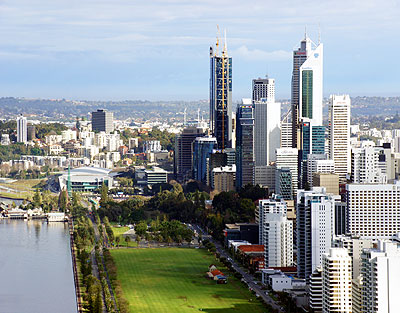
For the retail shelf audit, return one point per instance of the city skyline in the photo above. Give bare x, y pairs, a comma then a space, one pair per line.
159, 51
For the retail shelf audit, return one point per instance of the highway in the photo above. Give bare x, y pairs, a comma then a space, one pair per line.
248, 278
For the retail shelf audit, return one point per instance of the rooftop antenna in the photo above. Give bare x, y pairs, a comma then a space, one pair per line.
184, 117
198, 116
305, 32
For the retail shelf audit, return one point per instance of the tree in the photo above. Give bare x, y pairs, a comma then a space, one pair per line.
138, 239
127, 240
63, 200
104, 193
141, 228
37, 199
117, 240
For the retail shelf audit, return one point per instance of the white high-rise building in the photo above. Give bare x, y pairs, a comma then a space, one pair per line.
339, 134
315, 290
307, 82
287, 157
315, 212
22, 129
267, 131
267, 121
355, 246
318, 163
336, 281
264, 88
380, 278
366, 164
276, 233
373, 210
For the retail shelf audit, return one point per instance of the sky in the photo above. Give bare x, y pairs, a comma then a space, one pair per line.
159, 50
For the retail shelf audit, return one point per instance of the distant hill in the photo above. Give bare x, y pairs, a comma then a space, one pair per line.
63, 110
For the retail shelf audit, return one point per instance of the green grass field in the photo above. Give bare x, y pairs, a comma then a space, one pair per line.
173, 280
118, 232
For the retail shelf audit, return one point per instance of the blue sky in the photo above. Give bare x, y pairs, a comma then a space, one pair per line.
159, 50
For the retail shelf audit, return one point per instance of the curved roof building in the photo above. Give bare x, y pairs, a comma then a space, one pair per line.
86, 178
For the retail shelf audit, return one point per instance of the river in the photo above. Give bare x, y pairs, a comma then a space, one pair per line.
36, 274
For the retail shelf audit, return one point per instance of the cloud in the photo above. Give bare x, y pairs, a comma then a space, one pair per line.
260, 55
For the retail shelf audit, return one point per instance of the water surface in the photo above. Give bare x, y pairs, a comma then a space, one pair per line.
36, 273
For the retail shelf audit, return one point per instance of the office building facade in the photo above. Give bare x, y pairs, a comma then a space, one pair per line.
103, 121
245, 145
202, 149
339, 135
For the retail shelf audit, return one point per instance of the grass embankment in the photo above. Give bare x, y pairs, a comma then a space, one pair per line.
22, 188
118, 232
173, 280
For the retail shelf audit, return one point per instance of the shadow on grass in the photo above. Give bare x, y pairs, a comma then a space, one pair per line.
237, 308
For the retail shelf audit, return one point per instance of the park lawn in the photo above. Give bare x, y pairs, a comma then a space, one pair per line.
173, 280
118, 232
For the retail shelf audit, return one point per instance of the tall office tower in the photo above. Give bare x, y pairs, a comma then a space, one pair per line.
318, 163
315, 228
276, 232
288, 157
283, 183
368, 165
244, 145
103, 121
31, 132
336, 281
312, 141
221, 96
267, 130
340, 216
373, 210
265, 176
355, 247
380, 272
264, 88
307, 80
356, 290
22, 129
184, 152
315, 290
339, 135
286, 134
202, 149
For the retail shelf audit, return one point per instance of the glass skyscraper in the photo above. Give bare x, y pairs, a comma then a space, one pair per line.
244, 145
202, 149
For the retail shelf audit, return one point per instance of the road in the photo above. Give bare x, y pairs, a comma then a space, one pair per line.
248, 278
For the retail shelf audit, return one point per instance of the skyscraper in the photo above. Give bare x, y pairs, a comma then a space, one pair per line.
244, 145
307, 81
276, 233
202, 149
183, 156
373, 210
336, 281
264, 88
267, 121
315, 228
339, 135
288, 157
221, 96
102, 121
22, 129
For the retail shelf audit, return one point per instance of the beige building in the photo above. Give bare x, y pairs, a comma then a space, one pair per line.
327, 180
224, 178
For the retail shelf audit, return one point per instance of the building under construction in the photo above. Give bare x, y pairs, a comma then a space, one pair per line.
221, 95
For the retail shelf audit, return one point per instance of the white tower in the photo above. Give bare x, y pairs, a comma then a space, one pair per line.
336, 281
22, 129
339, 135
